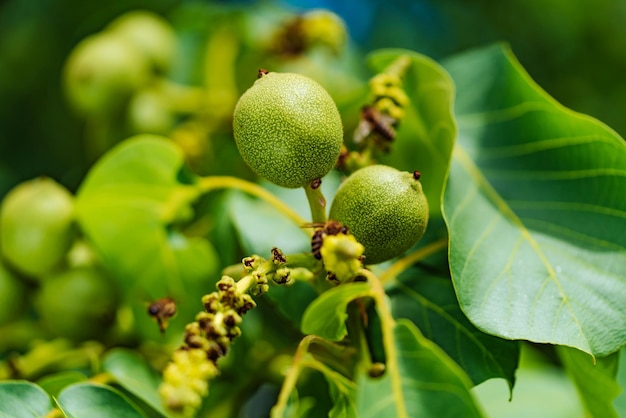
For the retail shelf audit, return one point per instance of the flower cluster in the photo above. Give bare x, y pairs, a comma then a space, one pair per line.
376, 129
209, 337
185, 379
389, 95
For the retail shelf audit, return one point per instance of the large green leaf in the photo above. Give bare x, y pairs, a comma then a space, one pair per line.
426, 383
536, 211
430, 303
128, 206
595, 380
22, 399
96, 401
425, 136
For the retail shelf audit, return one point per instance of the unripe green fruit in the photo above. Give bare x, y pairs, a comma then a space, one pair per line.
36, 226
384, 208
102, 71
152, 35
149, 112
78, 304
12, 296
288, 129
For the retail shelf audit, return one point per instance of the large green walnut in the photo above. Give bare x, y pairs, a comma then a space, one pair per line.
36, 226
384, 208
288, 129
78, 304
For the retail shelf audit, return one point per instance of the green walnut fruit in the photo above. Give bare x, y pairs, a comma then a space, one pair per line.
384, 208
288, 129
12, 296
77, 304
36, 226
101, 73
153, 36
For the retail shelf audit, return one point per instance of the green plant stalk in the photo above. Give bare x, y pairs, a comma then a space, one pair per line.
407, 261
317, 203
387, 325
291, 378
54, 413
246, 283
211, 183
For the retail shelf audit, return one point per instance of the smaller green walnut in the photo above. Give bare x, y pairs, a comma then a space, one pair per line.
36, 226
288, 129
78, 304
152, 35
384, 208
102, 71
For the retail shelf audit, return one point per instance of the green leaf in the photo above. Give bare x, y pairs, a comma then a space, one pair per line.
595, 382
535, 207
133, 373
128, 206
426, 384
620, 401
22, 399
261, 227
431, 304
96, 401
55, 383
326, 316
343, 394
426, 135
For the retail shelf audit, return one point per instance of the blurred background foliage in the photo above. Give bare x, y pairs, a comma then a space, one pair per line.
575, 49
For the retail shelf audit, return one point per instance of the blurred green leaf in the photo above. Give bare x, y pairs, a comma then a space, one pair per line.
125, 205
96, 401
431, 304
133, 373
536, 212
326, 316
539, 392
595, 382
22, 399
426, 384
426, 135
129, 206
55, 383
296, 407
343, 393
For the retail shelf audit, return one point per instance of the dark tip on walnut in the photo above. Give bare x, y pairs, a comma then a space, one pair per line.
417, 175
262, 72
